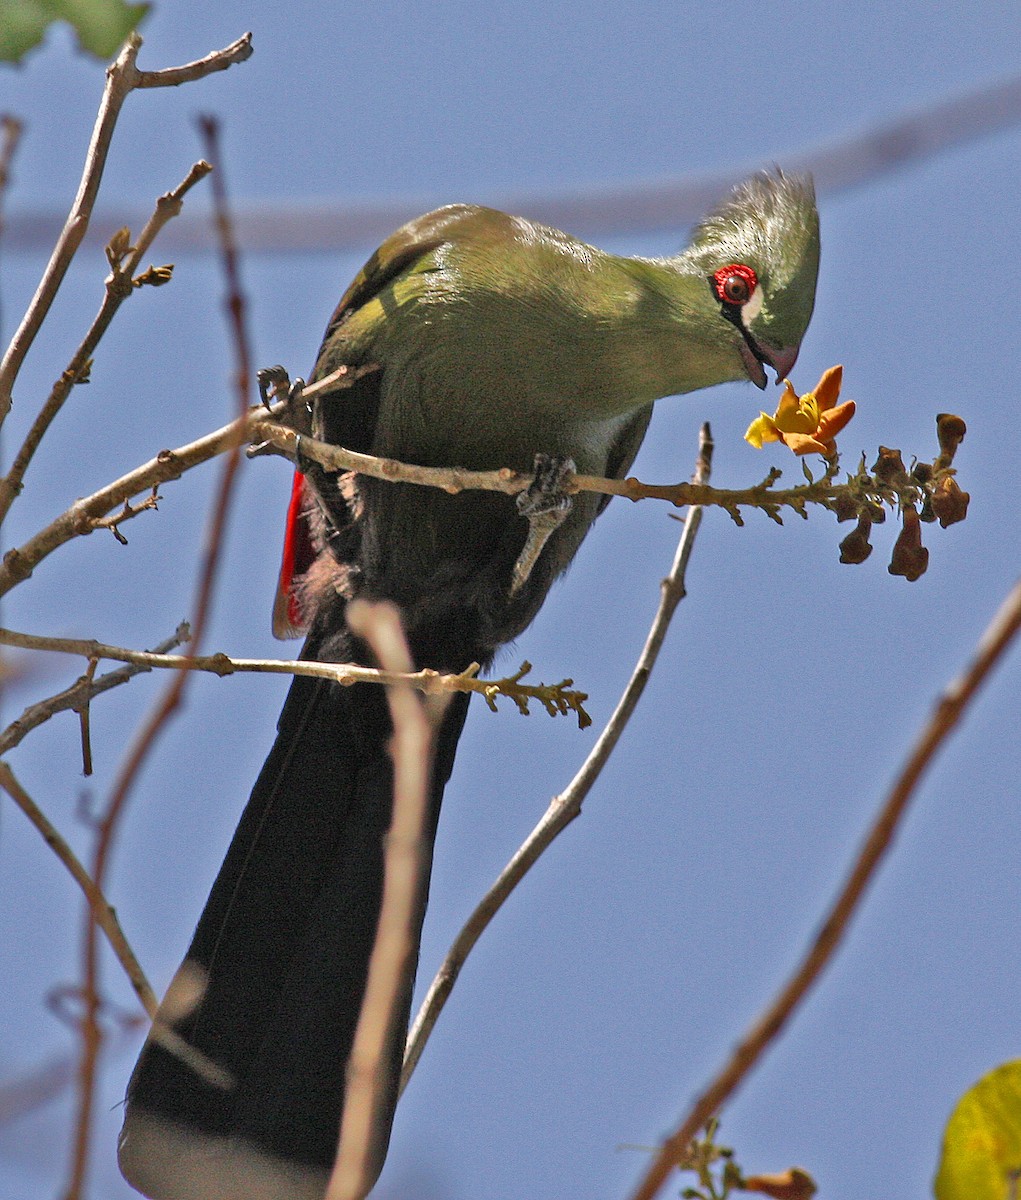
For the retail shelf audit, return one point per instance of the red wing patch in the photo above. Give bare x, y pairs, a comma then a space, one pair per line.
289, 618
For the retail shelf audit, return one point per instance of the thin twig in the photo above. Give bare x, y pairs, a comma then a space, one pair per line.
393, 953
556, 698
81, 517
216, 60
146, 738
119, 285
122, 77
946, 715
81, 692
565, 807
85, 717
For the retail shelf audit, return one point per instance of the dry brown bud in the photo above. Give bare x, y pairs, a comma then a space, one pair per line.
855, 547
793, 1184
845, 507
889, 466
949, 503
950, 430
910, 558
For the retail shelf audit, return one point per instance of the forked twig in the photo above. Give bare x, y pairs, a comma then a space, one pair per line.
124, 262
947, 713
122, 77
565, 807
556, 698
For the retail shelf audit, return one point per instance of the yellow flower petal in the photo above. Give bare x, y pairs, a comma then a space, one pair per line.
806, 424
789, 416
763, 429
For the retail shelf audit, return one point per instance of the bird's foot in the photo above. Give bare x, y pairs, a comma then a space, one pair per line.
275, 384
545, 505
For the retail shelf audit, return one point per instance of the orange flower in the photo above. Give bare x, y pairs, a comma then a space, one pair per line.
806, 424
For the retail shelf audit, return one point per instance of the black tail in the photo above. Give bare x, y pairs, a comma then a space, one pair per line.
283, 946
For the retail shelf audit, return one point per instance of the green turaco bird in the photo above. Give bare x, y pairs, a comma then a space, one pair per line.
496, 340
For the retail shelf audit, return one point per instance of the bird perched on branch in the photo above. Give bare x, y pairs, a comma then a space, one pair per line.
499, 343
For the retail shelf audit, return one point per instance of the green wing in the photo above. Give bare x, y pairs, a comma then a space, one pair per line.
348, 416
402, 250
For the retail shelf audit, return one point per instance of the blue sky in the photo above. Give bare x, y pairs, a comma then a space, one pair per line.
627, 965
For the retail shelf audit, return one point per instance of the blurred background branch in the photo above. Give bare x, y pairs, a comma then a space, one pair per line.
326, 225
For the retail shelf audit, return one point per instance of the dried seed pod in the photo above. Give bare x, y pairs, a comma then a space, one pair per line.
910, 558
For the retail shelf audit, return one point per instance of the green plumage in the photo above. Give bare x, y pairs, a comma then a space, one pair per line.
501, 323
499, 339
495, 340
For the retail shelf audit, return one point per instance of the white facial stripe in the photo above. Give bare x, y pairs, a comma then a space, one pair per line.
751, 309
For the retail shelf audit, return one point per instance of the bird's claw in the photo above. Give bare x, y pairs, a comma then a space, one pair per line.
275, 384
258, 449
545, 504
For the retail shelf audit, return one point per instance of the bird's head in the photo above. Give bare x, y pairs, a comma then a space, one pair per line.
759, 256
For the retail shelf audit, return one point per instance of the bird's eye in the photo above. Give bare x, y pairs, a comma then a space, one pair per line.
735, 283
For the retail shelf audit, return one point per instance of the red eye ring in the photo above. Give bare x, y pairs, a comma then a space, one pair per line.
735, 283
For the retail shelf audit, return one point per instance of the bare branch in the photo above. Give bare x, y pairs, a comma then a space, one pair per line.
565, 807
556, 698
120, 283
893, 490
81, 692
846, 162
86, 515
122, 77
216, 60
405, 864
81, 517
946, 715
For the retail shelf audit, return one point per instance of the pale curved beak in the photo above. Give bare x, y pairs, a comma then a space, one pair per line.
756, 357
782, 361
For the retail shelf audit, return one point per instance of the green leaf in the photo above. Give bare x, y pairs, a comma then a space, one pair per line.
22, 25
981, 1157
101, 25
